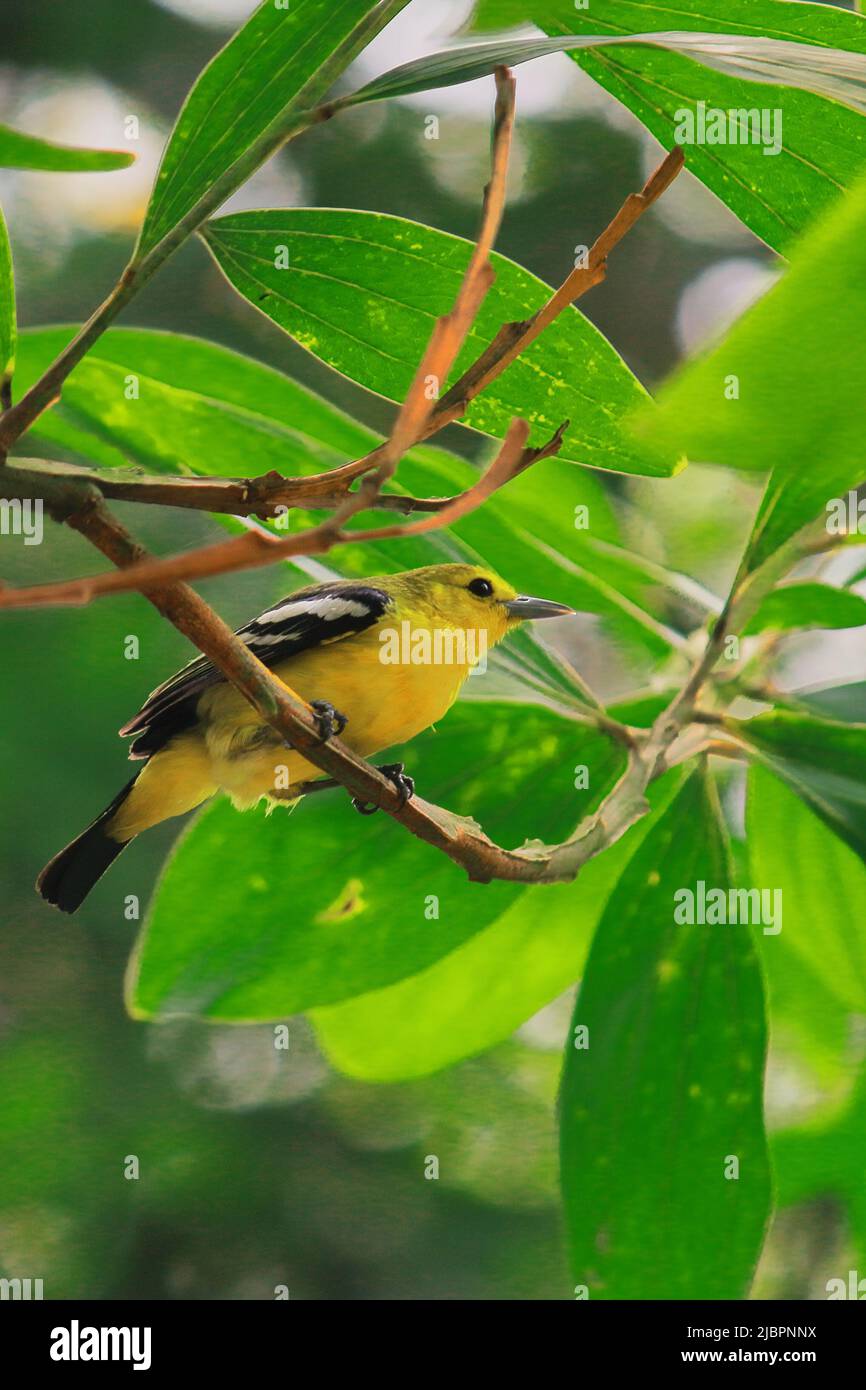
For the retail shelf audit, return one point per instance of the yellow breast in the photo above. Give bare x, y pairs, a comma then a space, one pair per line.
386, 702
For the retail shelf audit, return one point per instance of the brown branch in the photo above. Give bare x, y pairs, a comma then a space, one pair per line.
257, 548
451, 330
263, 496
266, 496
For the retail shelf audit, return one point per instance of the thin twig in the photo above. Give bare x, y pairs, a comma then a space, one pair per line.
259, 547
267, 496
450, 332
513, 457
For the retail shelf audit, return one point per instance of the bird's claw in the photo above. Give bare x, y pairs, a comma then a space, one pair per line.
330, 721
404, 784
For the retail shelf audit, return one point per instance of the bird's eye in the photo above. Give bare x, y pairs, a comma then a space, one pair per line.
482, 587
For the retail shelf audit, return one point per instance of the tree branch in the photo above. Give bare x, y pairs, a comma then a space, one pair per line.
258, 547
513, 458
266, 496
450, 332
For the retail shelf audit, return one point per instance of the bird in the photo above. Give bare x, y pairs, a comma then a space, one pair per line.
378, 660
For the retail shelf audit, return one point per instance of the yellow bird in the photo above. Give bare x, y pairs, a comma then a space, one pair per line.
379, 660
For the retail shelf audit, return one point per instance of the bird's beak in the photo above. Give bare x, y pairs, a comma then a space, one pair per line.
524, 607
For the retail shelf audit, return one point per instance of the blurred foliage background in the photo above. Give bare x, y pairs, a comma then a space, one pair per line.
261, 1167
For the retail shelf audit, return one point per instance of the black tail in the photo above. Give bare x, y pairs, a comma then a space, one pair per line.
69, 876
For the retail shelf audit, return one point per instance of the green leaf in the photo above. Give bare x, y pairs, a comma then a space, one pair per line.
362, 292
797, 363
823, 145
175, 404
20, 151
808, 604
823, 1159
278, 64
8, 321
753, 57
668, 1091
478, 994
323, 906
846, 702
823, 762
816, 965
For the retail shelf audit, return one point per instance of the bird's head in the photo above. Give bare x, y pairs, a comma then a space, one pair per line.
473, 597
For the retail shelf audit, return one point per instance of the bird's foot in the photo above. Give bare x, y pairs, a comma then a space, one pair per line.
398, 778
330, 721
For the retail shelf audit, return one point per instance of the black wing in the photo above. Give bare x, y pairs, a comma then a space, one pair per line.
319, 613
